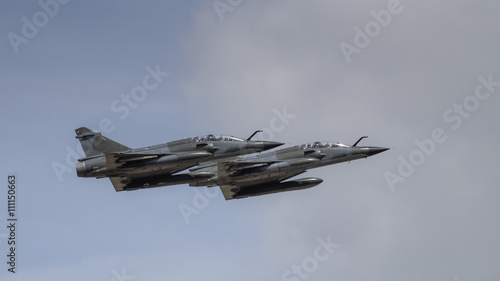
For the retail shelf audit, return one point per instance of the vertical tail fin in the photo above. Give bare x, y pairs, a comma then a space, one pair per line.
94, 143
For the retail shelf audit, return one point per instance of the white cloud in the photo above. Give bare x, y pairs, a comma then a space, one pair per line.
264, 55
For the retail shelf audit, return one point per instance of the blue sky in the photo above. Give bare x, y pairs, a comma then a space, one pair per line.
234, 71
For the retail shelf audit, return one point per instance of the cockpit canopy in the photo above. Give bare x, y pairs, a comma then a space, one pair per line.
216, 138
322, 144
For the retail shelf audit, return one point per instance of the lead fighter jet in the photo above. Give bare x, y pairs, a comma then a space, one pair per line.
269, 172
127, 167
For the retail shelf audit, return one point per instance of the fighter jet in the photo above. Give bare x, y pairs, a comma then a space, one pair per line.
124, 165
268, 172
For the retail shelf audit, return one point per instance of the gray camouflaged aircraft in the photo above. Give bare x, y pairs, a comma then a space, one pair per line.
264, 173
126, 167
268, 172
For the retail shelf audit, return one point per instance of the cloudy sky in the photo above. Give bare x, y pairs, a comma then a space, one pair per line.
417, 76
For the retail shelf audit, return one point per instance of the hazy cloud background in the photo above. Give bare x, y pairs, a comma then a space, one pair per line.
230, 76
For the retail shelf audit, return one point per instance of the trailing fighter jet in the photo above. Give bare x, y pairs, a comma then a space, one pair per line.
269, 172
124, 165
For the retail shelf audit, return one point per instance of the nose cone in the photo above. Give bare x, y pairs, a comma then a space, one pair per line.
376, 150
270, 144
